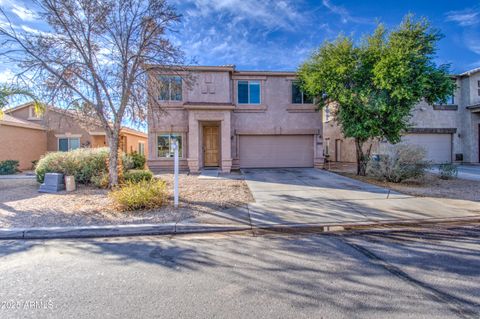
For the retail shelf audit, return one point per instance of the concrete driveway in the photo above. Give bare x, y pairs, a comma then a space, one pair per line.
286, 197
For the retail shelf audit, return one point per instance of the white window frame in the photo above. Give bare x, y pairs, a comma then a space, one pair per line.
248, 86
141, 150
180, 154
170, 88
68, 138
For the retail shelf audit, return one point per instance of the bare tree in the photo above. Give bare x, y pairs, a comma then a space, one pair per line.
94, 58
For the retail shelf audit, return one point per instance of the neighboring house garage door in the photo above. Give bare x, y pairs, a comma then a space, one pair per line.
258, 151
438, 146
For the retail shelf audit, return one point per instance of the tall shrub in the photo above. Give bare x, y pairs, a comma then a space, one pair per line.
84, 164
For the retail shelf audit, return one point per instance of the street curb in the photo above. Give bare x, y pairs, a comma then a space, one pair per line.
191, 228
339, 227
115, 231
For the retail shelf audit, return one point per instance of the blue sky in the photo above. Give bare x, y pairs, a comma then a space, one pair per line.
279, 34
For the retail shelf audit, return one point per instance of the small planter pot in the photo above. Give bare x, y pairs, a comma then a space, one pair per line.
70, 183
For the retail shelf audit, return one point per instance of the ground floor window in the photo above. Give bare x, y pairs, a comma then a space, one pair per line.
141, 148
66, 144
165, 142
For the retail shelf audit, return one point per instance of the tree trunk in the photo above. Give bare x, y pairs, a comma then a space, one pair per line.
361, 160
113, 161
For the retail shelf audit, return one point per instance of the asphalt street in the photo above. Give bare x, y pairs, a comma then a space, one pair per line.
430, 273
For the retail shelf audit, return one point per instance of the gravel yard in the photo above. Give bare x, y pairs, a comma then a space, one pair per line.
22, 206
429, 186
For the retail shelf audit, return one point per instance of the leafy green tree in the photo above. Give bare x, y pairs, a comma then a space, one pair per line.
376, 83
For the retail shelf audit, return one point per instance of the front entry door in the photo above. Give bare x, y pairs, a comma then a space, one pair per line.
211, 154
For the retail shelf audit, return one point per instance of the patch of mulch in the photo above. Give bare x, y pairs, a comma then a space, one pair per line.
428, 186
22, 206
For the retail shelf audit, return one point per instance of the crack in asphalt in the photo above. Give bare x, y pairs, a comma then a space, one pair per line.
461, 307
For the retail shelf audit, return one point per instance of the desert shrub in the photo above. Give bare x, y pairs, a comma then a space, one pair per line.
142, 195
84, 164
101, 181
133, 161
137, 175
400, 162
448, 171
8, 167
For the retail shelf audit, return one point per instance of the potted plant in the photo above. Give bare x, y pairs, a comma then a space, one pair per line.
70, 177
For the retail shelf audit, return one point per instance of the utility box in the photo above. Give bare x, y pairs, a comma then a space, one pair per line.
53, 183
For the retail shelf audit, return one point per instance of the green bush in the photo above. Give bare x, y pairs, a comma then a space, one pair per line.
8, 167
448, 171
101, 181
142, 195
133, 161
401, 162
137, 175
84, 164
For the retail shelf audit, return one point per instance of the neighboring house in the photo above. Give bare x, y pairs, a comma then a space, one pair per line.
232, 119
22, 141
449, 133
65, 132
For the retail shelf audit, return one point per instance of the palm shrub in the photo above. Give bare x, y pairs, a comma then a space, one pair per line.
84, 164
146, 194
400, 162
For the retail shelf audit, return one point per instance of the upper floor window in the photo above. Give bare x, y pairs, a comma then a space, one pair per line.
298, 96
450, 100
170, 88
249, 92
478, 83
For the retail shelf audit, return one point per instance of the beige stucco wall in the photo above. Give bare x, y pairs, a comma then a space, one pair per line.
60, 124
22, 144
133, 140
424, 116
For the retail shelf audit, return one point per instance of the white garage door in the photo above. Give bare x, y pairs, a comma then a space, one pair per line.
258, 151
438, 146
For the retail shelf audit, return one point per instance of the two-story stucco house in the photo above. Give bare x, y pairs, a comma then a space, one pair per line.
231, 119
448, 132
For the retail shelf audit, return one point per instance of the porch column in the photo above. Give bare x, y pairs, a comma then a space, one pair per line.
193, 147
226, 143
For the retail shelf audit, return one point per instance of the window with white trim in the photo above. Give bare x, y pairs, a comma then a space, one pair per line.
249, 92
141, 148
170, 88
66, 144
165, 142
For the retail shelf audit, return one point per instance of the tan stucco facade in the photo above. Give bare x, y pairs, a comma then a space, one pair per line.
209, 97
460, 121
21, 141
56, 124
